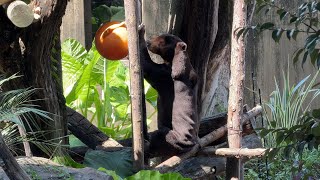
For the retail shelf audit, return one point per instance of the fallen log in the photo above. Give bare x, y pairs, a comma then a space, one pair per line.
87, 132
96, 139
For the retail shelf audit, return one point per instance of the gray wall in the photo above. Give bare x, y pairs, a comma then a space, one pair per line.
267, 59
76, 22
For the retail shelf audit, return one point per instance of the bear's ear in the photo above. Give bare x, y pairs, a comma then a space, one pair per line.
182, 46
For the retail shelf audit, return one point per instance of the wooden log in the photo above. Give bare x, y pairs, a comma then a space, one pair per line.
220, 132
136, 83
95, 139
87, 132
20, 14
211, 137
204, 166
10, 165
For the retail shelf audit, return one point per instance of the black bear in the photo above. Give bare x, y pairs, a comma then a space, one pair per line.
174, 81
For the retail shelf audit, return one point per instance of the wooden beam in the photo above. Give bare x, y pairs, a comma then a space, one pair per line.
234, 152
20, 14
136, 83
209, 138
204, 141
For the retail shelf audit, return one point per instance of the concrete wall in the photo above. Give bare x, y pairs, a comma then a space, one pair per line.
267, 60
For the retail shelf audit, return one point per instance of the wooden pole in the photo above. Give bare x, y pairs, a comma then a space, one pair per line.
234, 169
10, 165
131, 12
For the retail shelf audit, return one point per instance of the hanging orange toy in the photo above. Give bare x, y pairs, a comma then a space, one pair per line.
111, 40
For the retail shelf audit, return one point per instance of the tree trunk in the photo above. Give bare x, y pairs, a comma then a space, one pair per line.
10, 164
35, 53
205, 26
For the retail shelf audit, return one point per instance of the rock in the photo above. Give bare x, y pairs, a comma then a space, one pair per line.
42, 168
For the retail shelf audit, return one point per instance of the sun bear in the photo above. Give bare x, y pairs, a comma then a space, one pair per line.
175, 82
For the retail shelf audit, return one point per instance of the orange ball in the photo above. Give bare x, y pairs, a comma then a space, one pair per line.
111, 40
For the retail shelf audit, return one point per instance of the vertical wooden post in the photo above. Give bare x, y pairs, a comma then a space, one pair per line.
131, 13
234, 169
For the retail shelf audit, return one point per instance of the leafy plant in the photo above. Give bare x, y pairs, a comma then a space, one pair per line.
286, 107
305, 166
17, 109
286, 113
304, 20
118, 161
292, 127
98, 88
103, 14
16, 106
147, 174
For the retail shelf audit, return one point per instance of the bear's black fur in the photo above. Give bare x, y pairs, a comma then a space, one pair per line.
159, 77
175, 82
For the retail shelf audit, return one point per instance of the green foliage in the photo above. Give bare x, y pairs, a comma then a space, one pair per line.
99, 88
156, 175
118, 161
305, 166
118, 164
16, 106
146, 174
304, 20
290, 125
287, 106
292, 131
67, 161
103, 14
111, 173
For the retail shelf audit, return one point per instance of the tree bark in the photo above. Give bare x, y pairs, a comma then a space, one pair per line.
35, 53
204, 141
136, 84
207, 166
199, 31
10, 164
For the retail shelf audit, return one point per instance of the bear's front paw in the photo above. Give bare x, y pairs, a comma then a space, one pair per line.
141, 29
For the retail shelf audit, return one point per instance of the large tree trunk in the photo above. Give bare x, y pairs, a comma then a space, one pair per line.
35, 53
205, 26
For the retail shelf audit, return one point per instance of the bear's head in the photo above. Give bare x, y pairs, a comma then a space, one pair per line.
163, 45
